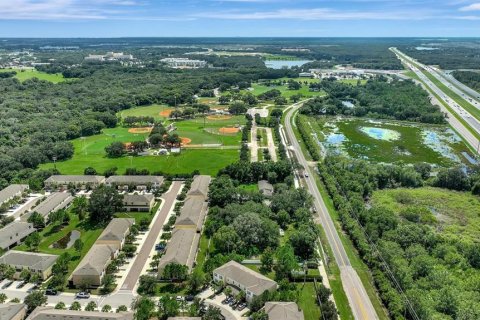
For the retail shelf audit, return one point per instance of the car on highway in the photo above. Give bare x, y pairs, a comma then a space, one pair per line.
82, 295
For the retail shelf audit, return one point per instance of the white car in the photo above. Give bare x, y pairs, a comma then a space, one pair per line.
82, 295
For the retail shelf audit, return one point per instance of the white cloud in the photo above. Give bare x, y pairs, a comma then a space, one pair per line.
471, 7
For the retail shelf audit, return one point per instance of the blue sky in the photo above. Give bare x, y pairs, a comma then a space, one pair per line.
239, 18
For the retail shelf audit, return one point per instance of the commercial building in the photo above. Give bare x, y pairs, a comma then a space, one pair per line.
137, 182
54, 202
283, 311
12, 191
50, 313
92, 268
265, 188
14, 233
181, 249
184, 63
109, 56
79, 182
138, 202
13, 311
39, 263
250, 282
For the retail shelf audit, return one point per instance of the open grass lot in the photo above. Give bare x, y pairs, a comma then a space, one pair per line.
453, 213
23, 75
150, 111
353, 81
390, 141
307, 301
208, 161
259, 88
89, 235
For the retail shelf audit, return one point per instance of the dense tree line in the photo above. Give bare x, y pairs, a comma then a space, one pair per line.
469, 78
378, 98
430, 268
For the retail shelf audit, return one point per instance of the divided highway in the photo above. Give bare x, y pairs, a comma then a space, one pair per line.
460, 126
358, 299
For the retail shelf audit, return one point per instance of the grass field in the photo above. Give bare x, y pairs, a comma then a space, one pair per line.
147, 111
259, 88
396, 141
454, 213
89, 235
23, 75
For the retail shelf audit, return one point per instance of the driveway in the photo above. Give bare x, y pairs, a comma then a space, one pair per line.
226, 310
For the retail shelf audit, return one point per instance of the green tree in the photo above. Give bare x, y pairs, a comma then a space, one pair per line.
33, 241
267, 260
147, 285
115, 149
175, 271
196, 280
286, 262
75, 306
226, 239
78, 245
80, 207
167, 307
3, 297
35, 299
213, 313
60, 306
91, 306
37, 219
122, 308
104, 202
144, 308
107, 308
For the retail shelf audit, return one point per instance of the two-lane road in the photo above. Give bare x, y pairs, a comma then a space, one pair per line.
358, 299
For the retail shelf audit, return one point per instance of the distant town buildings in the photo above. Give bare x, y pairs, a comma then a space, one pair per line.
109, 56
184, 63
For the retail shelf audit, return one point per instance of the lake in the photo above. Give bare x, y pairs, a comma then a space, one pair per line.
280, 64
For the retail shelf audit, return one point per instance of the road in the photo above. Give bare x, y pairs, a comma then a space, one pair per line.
147, 246
458, 125
358, 299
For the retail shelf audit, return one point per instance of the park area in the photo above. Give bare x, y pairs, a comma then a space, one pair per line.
23, 75
389, 141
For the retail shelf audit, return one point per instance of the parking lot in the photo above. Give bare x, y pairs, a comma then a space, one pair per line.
229, 310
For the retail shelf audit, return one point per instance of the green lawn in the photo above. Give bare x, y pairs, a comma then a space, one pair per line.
89, 235
307, 301
259, 88
23, 75
150, 111
353, 81
249, 187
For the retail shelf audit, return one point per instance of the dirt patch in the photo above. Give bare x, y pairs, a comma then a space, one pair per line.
219, 117
185, 141
140, 130
166, 113
227, 130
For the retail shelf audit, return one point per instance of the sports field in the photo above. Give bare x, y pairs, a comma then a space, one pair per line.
23, 75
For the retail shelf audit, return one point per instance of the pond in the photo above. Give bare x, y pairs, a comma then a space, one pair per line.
439, 144
280, 64
425, 48
67, 241
381, 133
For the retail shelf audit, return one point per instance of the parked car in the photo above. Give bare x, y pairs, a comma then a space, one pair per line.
179, 298
6, 285
21, 284
51, 292
189, 298
82, 295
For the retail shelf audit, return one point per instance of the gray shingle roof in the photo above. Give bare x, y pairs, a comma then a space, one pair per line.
95, 260
181, 248
10, 310
193, 212
135, 180
37, 261
49, 313
54, 202
14, 232
66, 179
116, 229
11, 191
253, 281
283, 311
265, 187
199, 186
137, 199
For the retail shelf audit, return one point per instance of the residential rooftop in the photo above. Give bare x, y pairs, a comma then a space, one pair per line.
95, 261
66, 179
30, 260
49, 313
265, 187
10, 311
253, 281
116, 229
193, 212
12, 191
14, 232
199, 186
137, 199
135, 180
283, 311
54, 202
181, 248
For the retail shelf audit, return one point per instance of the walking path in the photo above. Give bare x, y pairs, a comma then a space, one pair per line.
271, 144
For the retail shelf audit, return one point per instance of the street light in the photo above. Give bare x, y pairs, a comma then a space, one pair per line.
54, 158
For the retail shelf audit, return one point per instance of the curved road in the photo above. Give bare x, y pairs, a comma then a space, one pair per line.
358, 299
